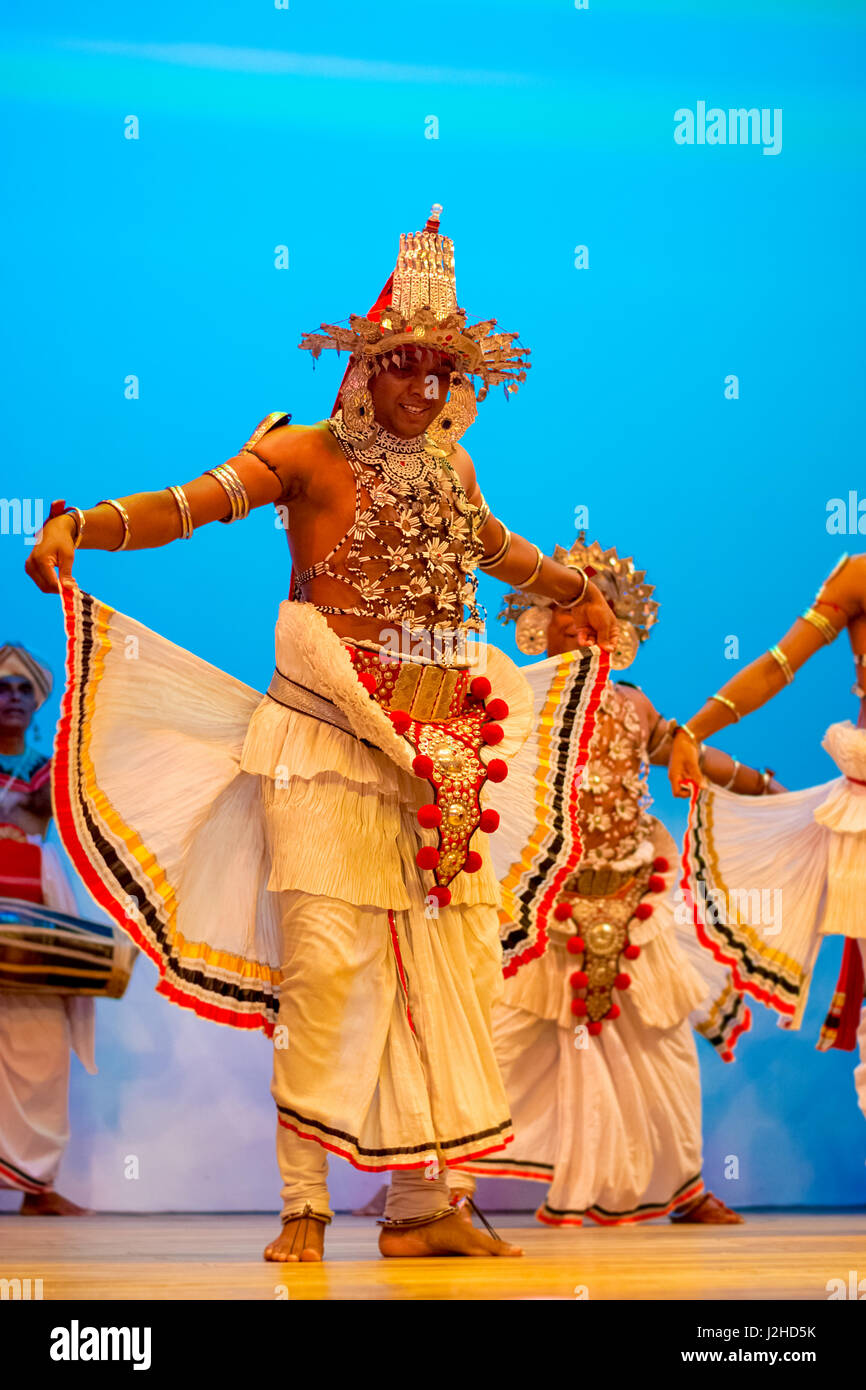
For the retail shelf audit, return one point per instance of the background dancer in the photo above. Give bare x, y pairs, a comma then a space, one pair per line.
808, 846
594, 1032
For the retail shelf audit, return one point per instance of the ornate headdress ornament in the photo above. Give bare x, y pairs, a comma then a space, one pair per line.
623, 586
418, 309
17, 661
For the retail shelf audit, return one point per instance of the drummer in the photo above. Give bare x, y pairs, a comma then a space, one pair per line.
37, 1031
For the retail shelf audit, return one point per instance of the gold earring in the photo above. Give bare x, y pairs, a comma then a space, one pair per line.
356, 404
458, 414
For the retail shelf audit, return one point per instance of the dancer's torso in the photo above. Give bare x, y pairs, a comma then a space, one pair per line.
614, 799
387, 539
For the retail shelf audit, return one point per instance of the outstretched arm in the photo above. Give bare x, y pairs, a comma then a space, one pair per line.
841, 603
716, 766
515, 560
277, 469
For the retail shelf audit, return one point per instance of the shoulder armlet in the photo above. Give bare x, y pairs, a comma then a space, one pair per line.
270, 422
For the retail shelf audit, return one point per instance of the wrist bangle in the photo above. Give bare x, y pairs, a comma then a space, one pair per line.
729, 704
539, 561
79, 518
726, 786
693, 736
766, 778
574, 601
124, 516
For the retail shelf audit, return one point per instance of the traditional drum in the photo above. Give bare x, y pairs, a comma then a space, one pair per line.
45, 951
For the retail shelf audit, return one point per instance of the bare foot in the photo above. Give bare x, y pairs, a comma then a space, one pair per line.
49, 1203
295, 1244
451, 1235
707, 1211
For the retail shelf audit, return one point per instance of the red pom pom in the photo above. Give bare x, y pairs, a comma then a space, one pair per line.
368, 680
727, 1055
497, 770
562, 912
492, 733
480, 688
473, 861
497, 709
578, 1006
622, 980
661, 865
441, 894
643, 910
422, 766
614, 1011
575, 945
429, 816
578, 979
401, 720
656, 884
427, 857
631, 951
594, 1027
489, 821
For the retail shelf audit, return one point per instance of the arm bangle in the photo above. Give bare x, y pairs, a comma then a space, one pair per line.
726, 786
729, 704
79, 518
539, 561
234, 489
784, 664
483, 516
186, 522
822, 624
585, 577
124, 516
498, 555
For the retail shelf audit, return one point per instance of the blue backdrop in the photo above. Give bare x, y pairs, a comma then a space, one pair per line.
697, 385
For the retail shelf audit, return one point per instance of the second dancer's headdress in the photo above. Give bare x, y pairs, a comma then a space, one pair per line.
418, 309
621, 584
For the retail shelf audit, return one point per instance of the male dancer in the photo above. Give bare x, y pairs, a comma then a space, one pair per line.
313, 875
38, 1030
593, 1032
809, 847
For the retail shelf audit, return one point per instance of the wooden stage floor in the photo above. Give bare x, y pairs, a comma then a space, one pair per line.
775, 1255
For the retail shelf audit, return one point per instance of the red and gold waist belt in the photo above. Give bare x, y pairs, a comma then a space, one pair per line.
445, 715
428, 693
592, 921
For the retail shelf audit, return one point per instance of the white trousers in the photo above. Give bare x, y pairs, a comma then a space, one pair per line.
413, 1193
35, 1043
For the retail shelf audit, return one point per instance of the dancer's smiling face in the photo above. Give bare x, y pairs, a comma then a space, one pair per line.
407, 399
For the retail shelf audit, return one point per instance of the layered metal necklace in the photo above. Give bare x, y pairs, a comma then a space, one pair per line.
399, 460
